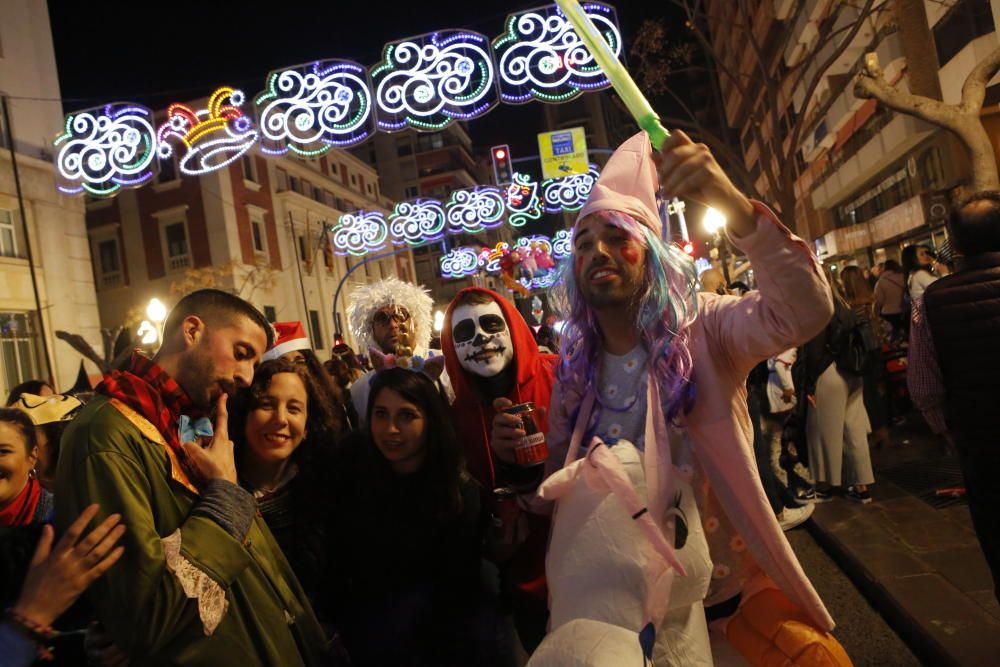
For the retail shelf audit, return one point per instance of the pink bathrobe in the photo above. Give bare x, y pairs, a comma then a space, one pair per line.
729, 336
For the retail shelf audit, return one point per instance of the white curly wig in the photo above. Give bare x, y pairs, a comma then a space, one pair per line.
366, 300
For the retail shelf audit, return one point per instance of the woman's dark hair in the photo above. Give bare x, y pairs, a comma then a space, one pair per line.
23, 423
319, 417
910, 262
443, 468
331, 394
856, 288
27, 387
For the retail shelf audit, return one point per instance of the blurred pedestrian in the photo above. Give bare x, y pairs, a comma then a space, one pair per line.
888, 297
918, 270
859, 296
837, 424
954, 365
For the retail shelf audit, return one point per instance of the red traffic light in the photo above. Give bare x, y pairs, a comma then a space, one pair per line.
688, 248
503, 171
500, 154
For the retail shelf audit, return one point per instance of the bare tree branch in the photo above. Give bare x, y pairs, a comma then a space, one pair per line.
974, 89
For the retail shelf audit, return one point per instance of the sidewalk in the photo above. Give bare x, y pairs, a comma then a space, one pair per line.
914, 555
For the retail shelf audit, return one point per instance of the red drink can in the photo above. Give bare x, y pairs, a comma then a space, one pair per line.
505, 513
532, 450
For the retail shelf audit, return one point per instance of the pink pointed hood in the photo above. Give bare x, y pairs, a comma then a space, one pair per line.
628, 183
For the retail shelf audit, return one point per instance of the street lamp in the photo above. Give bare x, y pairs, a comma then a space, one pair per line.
156, 311
714, 222
438, 321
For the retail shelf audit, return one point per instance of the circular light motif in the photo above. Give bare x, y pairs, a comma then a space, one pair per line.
540, 56
311, 108
360, 232
562, 245
476, 209
568, 193
460, 262
212, 138
105, 149
428, 82
416, 221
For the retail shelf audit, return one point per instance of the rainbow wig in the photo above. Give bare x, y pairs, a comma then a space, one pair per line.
667, 307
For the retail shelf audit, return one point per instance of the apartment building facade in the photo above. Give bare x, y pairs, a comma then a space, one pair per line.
867, 180
256, 227
53, 224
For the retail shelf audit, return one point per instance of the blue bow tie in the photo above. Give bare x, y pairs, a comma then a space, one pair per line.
190, 430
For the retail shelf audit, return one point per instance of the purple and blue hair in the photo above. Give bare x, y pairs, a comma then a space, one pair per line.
667, 307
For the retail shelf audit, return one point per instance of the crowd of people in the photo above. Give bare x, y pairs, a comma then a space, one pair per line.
233, 500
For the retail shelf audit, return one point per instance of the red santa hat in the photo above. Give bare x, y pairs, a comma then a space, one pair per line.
289, 336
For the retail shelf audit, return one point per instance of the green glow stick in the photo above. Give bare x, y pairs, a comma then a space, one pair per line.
622, 81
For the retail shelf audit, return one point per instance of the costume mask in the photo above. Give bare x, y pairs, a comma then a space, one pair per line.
482, 338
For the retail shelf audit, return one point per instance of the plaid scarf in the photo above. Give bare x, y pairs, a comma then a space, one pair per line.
147, 389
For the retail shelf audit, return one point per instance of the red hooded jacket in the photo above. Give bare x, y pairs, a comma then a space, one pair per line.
473, 420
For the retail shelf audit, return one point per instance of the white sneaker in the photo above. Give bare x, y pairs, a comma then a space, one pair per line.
794, 516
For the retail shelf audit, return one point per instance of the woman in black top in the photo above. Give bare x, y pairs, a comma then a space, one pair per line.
406, 536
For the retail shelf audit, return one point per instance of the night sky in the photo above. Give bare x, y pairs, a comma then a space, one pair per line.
166, 52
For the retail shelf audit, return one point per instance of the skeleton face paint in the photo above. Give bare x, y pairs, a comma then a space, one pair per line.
482, 338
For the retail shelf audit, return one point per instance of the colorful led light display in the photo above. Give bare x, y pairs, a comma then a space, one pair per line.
460, 262
416, 221
429, 81
568, 193
359, 233
476, 209
309, 109
105, 149
211, 138
540, 56
523, 202
562, 245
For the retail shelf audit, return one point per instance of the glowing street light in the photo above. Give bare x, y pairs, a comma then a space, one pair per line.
148, 333
156, 311
714, 221
438, 320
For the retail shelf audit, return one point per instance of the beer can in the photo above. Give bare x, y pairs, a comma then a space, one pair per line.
532, 450
505, 513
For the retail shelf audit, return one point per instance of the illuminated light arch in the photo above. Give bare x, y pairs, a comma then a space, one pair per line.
309, 109
417, 221
460, 262
359, 233
540, 56
523, 201
429, 81
467, 261
105, 149
568, 193
475, 209
212, 138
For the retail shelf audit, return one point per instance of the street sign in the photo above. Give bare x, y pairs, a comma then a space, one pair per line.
563, 152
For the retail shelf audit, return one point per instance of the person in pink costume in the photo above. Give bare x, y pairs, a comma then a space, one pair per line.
633, 316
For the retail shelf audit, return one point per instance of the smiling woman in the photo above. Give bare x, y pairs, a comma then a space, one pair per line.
279, 427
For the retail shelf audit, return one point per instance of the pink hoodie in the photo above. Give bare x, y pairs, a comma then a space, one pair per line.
728, 338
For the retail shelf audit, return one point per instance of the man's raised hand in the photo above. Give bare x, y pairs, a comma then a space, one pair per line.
215, 460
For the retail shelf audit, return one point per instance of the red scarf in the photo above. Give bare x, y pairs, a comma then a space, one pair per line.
21, 510
147, 389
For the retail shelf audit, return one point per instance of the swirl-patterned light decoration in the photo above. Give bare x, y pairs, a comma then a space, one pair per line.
416, 221
562, 245
359, 233
212, 138
475, 209
428, 82
540, 56
308, 109
460, 262
105, 149
568, 193
523, 201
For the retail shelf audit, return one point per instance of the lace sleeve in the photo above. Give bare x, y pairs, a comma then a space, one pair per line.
212, 602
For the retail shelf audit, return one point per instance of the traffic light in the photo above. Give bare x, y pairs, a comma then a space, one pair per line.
502, 169
688, 248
